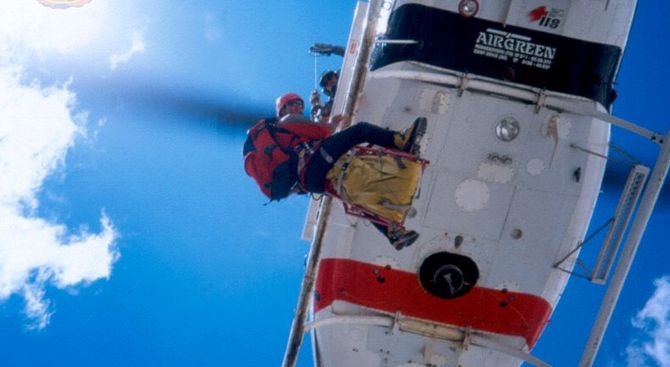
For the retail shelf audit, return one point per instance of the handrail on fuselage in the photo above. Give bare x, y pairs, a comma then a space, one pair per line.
553, 100
431, 330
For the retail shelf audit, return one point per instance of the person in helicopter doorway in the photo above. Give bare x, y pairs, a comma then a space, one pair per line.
328, 82
317, 150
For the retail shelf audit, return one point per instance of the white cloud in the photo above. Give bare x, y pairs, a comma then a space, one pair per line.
136, 46
37, 308
29, 26
37, 127
60, 4
654, 321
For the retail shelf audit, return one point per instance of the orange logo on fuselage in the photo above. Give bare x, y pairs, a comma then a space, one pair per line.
537, 13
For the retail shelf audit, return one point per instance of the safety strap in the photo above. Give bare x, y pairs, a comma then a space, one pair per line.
273, 129
305, 153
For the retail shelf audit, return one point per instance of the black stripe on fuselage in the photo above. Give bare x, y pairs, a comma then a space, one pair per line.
478, 46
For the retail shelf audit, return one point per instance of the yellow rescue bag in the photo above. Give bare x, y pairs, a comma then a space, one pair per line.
378, 180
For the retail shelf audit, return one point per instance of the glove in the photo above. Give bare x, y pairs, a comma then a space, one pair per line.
314, 98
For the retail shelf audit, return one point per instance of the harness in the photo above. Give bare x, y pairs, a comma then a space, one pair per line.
278, 159
305, 152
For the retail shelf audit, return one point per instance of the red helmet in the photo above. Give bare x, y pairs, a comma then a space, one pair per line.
285, 99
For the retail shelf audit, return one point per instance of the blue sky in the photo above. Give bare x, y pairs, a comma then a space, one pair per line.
130, 234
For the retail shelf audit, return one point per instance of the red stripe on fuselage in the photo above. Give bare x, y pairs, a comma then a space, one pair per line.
390, 290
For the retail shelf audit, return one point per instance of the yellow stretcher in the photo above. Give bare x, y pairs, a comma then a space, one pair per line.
377, 184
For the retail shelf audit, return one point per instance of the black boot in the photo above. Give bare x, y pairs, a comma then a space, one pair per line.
408, 141
403, 238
